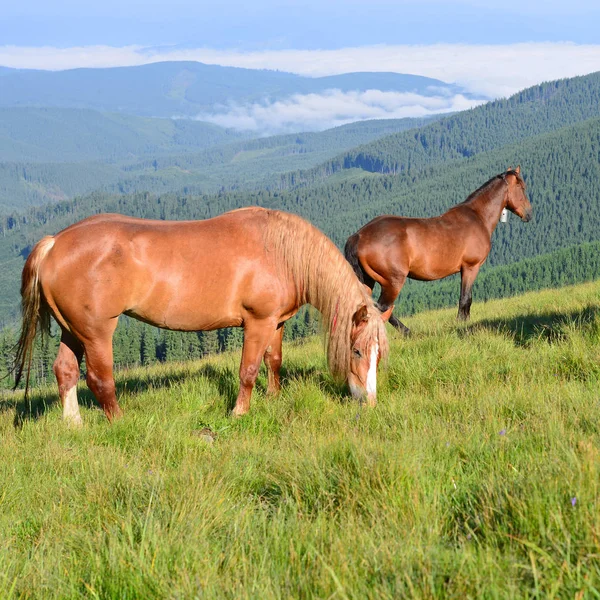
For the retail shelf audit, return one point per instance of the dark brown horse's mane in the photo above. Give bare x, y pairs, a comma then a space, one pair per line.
500, 177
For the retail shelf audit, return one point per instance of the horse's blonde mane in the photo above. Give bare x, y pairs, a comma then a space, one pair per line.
322, 277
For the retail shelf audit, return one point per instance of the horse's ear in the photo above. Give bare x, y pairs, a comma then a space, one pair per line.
509, 169
518, 169
361, 315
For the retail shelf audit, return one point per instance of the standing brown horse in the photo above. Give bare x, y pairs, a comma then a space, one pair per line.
250, 268
389, 249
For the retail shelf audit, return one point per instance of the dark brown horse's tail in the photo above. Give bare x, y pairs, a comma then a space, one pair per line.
34, 309
351, 254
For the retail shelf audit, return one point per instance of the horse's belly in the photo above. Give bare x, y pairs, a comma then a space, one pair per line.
190, 306
224, 296
430, 270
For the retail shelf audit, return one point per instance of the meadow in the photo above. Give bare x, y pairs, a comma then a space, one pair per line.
477, 475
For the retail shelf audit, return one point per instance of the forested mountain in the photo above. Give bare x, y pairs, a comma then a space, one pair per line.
170, 89
138, 154
534, 111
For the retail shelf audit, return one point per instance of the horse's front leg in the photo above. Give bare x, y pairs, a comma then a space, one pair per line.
273, 358
467, 279
257, 336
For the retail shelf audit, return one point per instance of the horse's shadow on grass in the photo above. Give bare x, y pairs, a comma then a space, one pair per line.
224, 378
526, 328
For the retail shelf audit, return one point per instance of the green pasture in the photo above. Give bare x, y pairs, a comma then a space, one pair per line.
477, 475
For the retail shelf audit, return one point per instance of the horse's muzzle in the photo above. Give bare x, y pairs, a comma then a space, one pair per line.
527, 216
360, 394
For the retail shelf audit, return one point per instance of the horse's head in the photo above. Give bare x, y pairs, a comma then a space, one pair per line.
369, 346
517, 201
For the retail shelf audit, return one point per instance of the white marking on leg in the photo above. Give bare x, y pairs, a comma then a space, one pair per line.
372, 374
71, 407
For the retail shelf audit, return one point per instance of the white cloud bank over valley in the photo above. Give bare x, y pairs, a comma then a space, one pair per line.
332, 108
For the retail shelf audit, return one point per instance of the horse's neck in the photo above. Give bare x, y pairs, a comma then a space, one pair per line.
489, 205
319, 292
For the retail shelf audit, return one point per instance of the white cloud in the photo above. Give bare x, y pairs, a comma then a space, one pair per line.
332, 108
484, 69
57, 59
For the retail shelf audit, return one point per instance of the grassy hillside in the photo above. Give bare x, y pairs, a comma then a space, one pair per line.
476, 476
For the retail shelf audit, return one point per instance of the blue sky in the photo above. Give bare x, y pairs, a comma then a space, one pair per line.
306, 24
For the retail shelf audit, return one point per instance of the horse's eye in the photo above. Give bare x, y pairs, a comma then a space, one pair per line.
357, 353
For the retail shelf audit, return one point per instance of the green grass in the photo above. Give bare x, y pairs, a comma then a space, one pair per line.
459, 484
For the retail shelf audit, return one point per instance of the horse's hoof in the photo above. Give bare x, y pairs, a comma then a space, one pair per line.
113, 414
74, 421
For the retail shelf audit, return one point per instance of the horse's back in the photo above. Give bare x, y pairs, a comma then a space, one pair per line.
117, 219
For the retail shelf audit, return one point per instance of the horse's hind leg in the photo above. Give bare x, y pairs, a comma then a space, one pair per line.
257, 336
66, 369
99, 366
389, 293
273, 359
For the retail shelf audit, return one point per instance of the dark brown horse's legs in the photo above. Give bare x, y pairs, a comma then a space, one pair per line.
273, 359
66, 369
257, 336
399, 325
468, 275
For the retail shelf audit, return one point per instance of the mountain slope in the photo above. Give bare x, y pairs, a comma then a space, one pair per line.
476, 476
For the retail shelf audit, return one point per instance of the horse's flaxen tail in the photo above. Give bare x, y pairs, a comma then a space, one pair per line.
34, 309
351, 254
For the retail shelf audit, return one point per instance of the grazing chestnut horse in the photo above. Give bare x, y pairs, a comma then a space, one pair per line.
389, 249
250, 268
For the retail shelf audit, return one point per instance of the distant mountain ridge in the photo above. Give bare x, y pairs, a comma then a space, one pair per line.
170, 89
